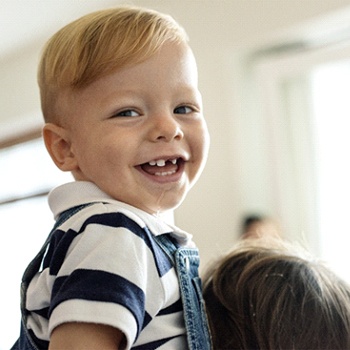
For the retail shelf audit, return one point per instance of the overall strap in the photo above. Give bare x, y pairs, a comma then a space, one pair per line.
186, 262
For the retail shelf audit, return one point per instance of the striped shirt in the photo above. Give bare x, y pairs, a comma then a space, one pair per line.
103, 266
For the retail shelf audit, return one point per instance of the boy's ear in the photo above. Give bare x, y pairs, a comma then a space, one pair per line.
59, 147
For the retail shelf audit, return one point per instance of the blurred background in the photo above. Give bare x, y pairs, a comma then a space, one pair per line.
275, 80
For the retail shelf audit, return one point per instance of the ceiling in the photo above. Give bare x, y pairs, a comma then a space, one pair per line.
31, 22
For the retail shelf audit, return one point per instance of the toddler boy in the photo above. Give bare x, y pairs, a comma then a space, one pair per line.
123, 114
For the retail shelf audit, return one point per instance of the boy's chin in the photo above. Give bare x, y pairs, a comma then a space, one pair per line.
156, 203
162, 209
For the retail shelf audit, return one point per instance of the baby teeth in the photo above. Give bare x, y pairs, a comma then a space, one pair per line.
161, 162
165, 173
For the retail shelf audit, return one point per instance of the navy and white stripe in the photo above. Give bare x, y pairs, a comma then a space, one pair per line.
103, 266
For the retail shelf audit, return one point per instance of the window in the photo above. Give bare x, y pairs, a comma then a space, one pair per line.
330, 86
27, 174
305, 106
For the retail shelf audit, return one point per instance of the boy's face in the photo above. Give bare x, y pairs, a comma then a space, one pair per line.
139, 133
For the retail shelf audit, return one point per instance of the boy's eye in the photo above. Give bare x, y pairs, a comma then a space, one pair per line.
183, 110
127, 113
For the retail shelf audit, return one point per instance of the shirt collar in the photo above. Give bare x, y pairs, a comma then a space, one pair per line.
77, 193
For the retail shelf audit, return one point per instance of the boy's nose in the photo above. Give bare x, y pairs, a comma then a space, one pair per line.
166, 128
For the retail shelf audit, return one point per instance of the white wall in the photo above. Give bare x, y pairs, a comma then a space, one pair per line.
222, 33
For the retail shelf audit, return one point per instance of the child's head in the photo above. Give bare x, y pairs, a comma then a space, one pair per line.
267, 295
121, 101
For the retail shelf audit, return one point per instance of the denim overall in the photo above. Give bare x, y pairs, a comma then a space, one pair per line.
186, 262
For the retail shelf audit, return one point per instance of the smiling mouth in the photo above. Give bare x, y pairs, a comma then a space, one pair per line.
162, 167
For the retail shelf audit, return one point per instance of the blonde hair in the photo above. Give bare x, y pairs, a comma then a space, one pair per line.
269, 295
97, 44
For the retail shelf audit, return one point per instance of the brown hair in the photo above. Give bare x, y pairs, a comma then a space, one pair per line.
261, 297
97, 44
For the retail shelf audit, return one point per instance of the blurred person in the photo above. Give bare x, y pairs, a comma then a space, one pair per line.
257, 226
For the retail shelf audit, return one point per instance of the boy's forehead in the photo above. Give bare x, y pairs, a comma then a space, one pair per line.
173, 61
170, 58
